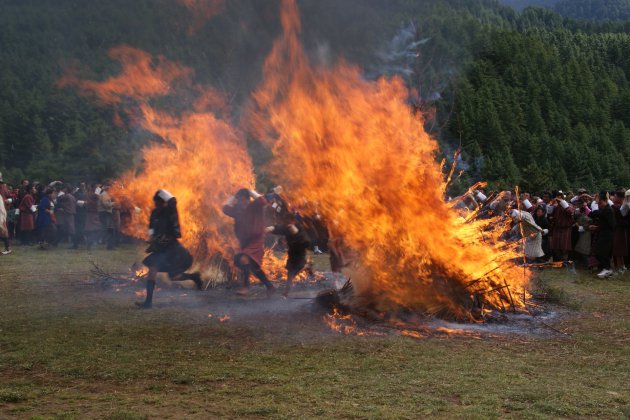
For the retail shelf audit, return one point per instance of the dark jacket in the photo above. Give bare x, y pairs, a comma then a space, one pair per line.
297, 243
164, 223
604, 219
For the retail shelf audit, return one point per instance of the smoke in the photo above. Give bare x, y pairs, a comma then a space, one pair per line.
399, 56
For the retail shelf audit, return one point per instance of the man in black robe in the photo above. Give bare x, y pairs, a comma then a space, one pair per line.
167, 255
298, 242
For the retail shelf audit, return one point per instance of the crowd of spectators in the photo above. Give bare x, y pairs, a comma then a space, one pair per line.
577, 229
48, 215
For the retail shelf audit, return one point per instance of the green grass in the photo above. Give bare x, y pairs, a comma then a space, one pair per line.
68, 350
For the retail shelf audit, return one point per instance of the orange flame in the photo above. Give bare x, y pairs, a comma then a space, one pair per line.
355, 147
349, 144
345, 324
141, 272
202, 159
275, 268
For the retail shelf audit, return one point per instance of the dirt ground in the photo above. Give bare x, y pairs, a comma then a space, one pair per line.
74, 346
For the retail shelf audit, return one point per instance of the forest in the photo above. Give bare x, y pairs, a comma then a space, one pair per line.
538, 97
614, 10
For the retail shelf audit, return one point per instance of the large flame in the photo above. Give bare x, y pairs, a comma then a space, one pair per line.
202, 159
351, 145
355, 147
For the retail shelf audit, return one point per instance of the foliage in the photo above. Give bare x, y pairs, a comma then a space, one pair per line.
547, 102
521, 4
534, 97
594, 9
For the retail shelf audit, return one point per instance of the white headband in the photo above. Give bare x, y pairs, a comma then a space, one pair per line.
165, 195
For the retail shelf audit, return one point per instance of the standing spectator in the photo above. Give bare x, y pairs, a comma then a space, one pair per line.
583, 221
92, 227
524, 223
79, 220
561, 226
625, 208
105, 210
4, 190
4, 231
113, 239
127, 209
9, 201
26, 222
540, 218
620, 240
40, 192
45, 226
604, 225
12, 212
21, 193
12, 219
66, 211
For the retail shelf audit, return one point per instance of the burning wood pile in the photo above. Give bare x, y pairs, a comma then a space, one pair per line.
351, 145
366, 159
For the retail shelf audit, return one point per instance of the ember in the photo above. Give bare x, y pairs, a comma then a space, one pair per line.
347, 325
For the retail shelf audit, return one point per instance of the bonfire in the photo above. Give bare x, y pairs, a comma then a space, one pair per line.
349, 144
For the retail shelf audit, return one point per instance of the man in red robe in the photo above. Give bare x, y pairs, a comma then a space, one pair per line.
26, 221
247, 209
562, 225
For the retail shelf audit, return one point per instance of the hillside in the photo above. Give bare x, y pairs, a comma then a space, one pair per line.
526, 95
594, 9
521, 4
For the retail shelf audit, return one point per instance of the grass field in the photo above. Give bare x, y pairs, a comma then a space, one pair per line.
71, 350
